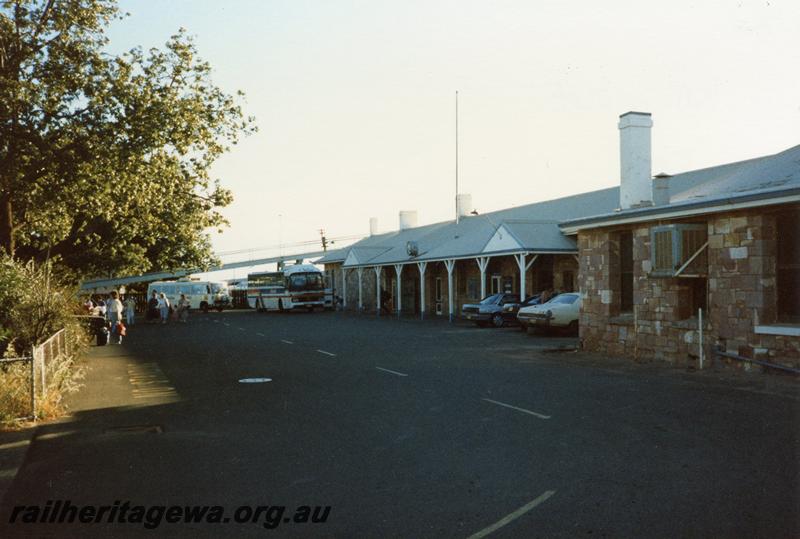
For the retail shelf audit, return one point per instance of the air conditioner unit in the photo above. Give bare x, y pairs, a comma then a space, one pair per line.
439, 308
411, 248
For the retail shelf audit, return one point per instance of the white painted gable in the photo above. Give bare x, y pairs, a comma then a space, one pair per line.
351, 260
502, 240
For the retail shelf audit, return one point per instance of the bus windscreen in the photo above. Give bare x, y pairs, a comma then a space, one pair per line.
305, 281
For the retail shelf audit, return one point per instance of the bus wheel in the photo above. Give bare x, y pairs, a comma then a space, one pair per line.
204, 307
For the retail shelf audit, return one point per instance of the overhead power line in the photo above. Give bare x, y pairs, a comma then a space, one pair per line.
329, 241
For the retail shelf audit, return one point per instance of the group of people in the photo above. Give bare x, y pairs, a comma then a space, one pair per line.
159, 308
113, 309
99, 305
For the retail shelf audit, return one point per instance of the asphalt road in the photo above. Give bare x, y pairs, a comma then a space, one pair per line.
409, 429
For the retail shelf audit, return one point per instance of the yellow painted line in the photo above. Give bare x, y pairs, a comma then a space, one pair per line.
512, 516
523, 410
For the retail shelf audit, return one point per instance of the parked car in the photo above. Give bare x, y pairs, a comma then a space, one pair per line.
490, 309
510, 310
562, 311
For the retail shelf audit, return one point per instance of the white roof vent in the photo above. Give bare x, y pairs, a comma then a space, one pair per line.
408, 219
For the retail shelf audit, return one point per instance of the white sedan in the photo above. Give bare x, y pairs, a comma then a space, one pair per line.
562, 312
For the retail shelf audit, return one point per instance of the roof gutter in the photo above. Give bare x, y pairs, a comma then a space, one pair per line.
469, 257
684, 210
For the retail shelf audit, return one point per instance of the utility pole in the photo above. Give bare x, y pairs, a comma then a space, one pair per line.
324, 240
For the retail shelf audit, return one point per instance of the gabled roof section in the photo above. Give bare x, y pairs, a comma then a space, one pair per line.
335, 255
502, 240
755, 182
533, 227
546, 234
360, 255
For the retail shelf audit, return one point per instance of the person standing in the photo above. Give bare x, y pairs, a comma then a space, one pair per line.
114, 314
183, 308
130, 310
163, 307
152, 308
101, 307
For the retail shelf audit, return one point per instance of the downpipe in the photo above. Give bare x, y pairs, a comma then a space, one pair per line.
718, 351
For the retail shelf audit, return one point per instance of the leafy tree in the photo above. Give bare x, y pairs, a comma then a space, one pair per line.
104, 160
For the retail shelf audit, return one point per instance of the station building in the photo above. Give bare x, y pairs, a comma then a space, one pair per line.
649, 257
433, 270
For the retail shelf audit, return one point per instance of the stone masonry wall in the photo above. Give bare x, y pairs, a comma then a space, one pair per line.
662, 325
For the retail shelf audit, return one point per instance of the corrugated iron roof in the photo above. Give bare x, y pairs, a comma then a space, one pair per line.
537, 227
753, 179
534, 226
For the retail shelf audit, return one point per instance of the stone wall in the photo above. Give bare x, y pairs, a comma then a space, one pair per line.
663, 324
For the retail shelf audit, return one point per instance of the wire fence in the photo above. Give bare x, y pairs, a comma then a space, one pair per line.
25, 379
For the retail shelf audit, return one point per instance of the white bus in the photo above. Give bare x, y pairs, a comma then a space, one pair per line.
202, 295
296, 287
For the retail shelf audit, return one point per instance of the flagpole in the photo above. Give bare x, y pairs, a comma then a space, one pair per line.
456, 156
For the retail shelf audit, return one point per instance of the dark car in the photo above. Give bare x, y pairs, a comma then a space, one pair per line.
490, 310
510, 310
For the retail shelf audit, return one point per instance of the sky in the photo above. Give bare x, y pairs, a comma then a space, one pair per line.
355, 100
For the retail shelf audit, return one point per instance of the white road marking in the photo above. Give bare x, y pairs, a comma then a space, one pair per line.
326, 353
51, 435
391, 371
287, 342
260, 334
513, 516
523, 410
227, 324
11, 445
216, 321
240, 329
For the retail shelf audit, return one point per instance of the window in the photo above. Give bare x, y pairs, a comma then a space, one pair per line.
626, 271
491, 300
672, 246
438, 289
508, 284
567, 299
788, 266
473, 288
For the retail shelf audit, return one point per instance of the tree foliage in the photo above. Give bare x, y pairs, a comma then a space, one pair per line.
104, 160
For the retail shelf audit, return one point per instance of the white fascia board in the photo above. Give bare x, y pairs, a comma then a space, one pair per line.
778, 329
667, 215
